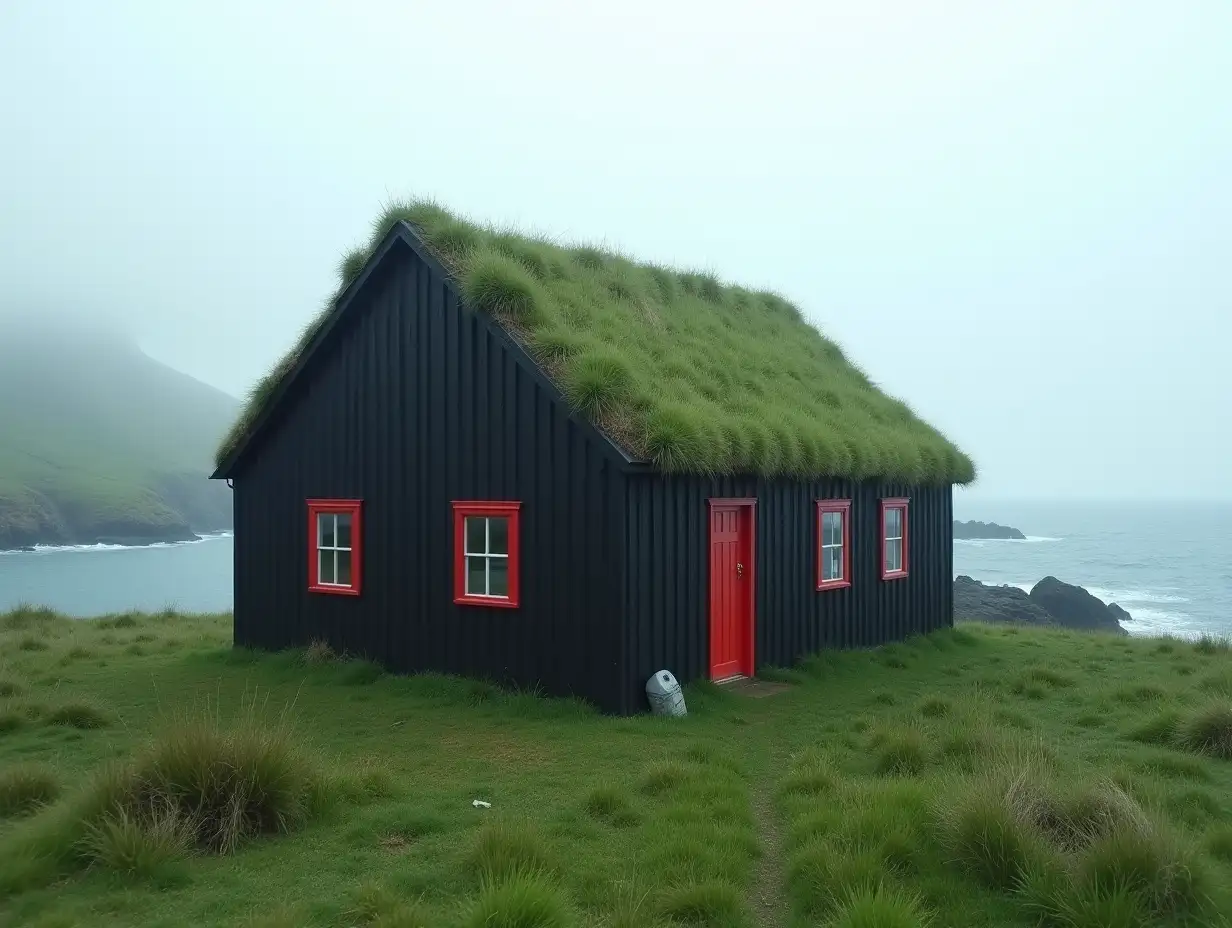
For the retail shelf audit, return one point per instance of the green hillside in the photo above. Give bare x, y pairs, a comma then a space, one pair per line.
100, 442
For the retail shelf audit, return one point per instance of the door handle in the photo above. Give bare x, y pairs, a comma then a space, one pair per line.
739, 570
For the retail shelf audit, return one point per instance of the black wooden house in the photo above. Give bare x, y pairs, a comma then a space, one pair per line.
552, 467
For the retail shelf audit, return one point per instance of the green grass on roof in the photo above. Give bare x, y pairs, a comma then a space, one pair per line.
678, 368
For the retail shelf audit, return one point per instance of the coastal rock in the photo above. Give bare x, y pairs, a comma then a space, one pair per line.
48, 524
1051, 602
979, 602
1074, 607
986, 530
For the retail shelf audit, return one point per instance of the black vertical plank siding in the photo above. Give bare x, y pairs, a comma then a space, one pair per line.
416, 402
667, 557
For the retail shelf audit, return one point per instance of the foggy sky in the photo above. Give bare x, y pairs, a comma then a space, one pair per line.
1017, 217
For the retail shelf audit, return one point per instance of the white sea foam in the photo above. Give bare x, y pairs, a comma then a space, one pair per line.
62, 549
1122, 597
1029, 540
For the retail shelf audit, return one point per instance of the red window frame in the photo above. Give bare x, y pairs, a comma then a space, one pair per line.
353, 508
843, 507
510, 510
897, 502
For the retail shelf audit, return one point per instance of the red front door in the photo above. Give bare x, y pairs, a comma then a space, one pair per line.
731, 588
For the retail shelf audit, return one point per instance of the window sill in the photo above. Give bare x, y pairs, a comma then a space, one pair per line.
896, 575
491, 602
833, 585
333, 590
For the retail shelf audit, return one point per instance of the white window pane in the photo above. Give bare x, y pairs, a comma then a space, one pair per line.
831, 528
498, 536
498, 575
832, 564
476, 575
343, 567
343, 531
476, 535
325, 524
893, 523
325, 566
894, 554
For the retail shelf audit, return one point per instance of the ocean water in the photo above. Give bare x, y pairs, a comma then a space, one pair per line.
1168, 564
81, 580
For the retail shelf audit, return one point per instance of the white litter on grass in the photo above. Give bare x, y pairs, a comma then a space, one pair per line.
480, 804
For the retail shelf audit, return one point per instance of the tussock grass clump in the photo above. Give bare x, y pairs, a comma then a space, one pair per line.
1073, 852
965, 747
1219, 682
500, 286
1050, 677
1159, 728
1150, 862
984, 836
664, 776
1213, 644
228, 783
26, 786
823, 872
810, 774
505, 848
142, 844
199, 785
9, 688
611, 804
1051, 896
25, 616
77, 653
880, 907
520, 900
934, 707
687, 847
712, 902
81, 715
679, 368
1208, 731
319, 653
1140, 693
379, 907
899, 751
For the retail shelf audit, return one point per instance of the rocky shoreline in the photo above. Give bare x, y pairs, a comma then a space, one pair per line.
1050, 603
965, 530
133, 537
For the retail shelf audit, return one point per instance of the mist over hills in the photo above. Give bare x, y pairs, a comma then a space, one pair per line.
100, 442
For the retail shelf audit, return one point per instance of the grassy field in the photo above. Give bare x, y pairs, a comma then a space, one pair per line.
152, 775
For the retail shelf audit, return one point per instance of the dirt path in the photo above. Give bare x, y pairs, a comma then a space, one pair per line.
768, 896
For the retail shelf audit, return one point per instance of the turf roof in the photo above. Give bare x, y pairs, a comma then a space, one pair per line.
679, 369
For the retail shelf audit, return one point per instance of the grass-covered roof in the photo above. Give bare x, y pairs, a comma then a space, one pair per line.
676, 367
